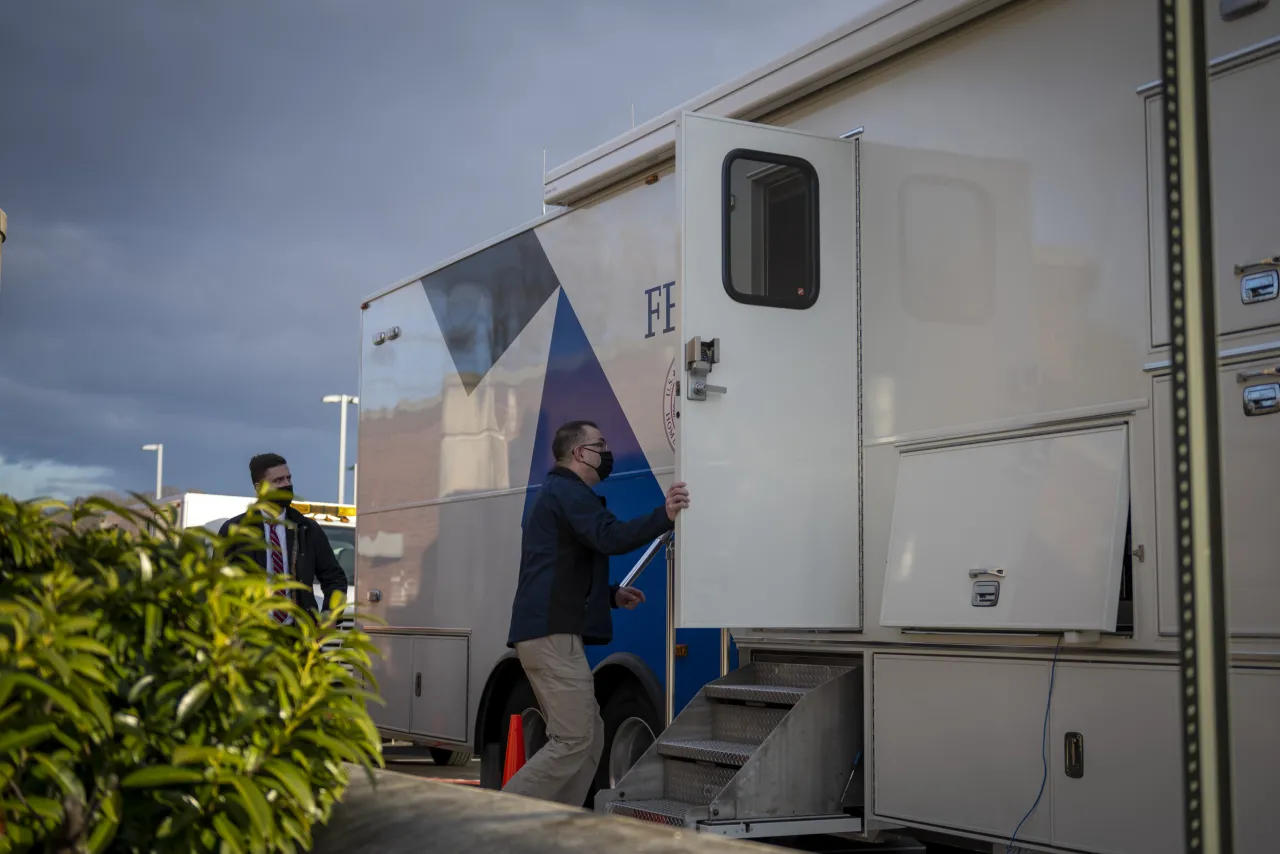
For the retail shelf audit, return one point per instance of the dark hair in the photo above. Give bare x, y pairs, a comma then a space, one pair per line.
567, 436
258, 466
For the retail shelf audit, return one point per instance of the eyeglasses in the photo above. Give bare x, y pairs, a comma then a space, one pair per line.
599, 445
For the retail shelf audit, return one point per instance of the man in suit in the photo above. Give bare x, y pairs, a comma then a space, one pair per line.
297, 546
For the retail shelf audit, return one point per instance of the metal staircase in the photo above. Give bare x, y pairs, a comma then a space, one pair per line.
767, 750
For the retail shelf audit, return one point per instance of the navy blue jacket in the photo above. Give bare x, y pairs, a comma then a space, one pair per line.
564, 561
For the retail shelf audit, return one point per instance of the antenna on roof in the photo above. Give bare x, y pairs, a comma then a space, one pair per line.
544, 180
633, 115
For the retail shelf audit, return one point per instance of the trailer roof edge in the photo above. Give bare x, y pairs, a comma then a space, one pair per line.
890, 28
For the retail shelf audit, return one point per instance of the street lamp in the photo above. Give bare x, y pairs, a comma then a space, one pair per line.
159, 449
343, 399
4, 230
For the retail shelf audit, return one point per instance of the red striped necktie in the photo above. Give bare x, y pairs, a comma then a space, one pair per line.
277, 568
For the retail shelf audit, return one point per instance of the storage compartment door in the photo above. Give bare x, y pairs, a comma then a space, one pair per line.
957, 743
394, 671
1250, 399
1246, 185
1115, 756
440, 686
768, 430
1018, 534
1255, 757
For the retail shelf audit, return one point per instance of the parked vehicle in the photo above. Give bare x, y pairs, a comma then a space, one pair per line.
894, 307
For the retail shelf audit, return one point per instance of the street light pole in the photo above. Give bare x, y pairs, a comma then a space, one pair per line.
4, 230
343, 400
159, 449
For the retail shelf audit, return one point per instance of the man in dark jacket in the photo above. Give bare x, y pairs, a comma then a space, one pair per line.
564, 600
293, 544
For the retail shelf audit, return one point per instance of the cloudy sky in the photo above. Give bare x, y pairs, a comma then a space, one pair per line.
199, 194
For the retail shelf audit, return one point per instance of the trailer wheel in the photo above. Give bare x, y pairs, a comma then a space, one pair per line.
628, 717
452, 758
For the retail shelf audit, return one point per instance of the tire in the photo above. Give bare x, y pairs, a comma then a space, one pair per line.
629, 700
493, 760
451, 758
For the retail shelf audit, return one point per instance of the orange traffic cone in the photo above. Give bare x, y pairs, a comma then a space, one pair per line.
514, 760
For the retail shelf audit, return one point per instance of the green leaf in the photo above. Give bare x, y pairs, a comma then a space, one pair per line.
141, 685
46, 808
229, 833
193, 700
59, 698
293, 781
11, 742
78, 624
88, 696
152, 628
63, 776
88, 667
191, 755
333, 745
160, 776
102, 834
257, 806
297, 830
84, 644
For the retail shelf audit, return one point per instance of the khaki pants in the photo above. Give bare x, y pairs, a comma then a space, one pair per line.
563, 769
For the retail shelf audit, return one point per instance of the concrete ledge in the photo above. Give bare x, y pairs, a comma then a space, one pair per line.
406, 813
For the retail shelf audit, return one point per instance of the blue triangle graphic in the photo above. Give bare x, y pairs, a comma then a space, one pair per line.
576, 388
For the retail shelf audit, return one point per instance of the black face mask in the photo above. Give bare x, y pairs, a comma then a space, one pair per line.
606, 464
282, 497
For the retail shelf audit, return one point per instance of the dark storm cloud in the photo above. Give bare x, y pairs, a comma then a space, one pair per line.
200, 194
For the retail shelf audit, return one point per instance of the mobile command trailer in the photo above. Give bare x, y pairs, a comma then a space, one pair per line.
920, 339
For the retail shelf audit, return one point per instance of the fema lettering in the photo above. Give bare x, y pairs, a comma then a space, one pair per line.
659, 304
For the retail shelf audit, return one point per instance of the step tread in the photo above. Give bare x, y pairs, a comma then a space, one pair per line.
656, 810
708, 750
756, 693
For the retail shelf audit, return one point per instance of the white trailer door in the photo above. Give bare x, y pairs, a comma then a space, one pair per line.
768, 293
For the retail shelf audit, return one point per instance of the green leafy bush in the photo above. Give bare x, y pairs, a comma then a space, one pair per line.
148, 701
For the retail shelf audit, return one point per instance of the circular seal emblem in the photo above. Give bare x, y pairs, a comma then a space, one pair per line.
669, 399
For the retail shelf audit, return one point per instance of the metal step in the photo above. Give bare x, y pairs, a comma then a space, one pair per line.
745, 724
694, 783
782, 695
657, 811
769, 742
708, 750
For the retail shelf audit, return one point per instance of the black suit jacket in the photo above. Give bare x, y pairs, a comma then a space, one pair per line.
310, 557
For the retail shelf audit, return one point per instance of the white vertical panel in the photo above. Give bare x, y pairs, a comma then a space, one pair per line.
771, 539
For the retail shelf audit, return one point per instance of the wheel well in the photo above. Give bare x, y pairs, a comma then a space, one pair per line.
506, 672
626, 667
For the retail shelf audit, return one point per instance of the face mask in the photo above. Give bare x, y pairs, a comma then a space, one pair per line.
606, 464
283, 497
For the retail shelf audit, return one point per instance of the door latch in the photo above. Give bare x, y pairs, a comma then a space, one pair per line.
699, 359
986, 594
1262, 399
1073, 761
1260, 287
